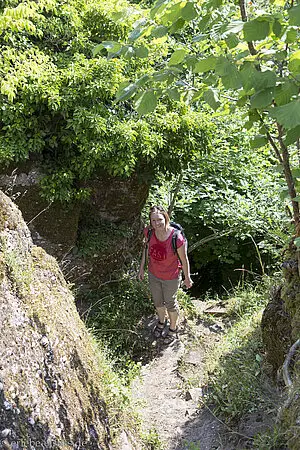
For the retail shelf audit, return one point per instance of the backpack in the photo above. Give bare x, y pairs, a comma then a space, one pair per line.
177, 231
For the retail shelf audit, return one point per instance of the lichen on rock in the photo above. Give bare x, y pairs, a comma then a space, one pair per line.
51, 394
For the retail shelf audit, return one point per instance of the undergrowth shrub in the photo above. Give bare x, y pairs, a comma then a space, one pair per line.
116, 317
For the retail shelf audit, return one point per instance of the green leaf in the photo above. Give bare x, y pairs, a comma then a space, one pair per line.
256, 30
296, 172
172, 14
158, 7
288, 115
197, 95
111, 46
162, 75
263, 80
278, 29
292, 136
229, 73
173, 94
159, 31
128, 51
141, 51
248, 74
143, 80
204, 65
146, 103
294, 63
178, 25
177, 57
211, 97
232, 40
294, 14
297, 240
126, 91
291, 36
262, 98
284, 92
97, 49
258, 141
189, 12
234, 27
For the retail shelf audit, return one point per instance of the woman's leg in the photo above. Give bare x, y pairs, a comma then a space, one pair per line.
156, 289
170, 288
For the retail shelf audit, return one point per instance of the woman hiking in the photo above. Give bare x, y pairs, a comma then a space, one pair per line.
164, 270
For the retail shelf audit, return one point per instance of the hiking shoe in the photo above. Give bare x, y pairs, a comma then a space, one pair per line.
171, 336
158, 329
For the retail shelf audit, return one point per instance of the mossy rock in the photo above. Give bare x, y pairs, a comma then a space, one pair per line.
51, 395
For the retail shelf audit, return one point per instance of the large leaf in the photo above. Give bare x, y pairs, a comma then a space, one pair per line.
292, 136
143, 80
256, 30
158, 7
232, 40
177, 57
263, 80
178, 25
291, 35
248, 74
277, 28
284, 92
211, 97
234, 27
172, 14
294, 14
159, 31
258, 141
110, 46
288, 115
138, 32
189, 12
173, 94
126, 90
204, 65
229, 73
262, 99
294, 63
146, 103
141, 51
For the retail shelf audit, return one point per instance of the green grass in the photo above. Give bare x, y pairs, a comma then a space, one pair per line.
116, 315
236, 383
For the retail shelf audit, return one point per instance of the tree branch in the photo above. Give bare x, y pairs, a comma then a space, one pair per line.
251, 47
289, 178
175, 193
271, 140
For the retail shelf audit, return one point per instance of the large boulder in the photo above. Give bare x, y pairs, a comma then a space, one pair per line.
110, 219
53, 225
51, 395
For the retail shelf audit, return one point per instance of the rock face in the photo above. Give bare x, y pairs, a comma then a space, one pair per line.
114, 204
276, 330
50, 380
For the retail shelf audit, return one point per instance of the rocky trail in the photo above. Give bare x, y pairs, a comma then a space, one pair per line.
169, 391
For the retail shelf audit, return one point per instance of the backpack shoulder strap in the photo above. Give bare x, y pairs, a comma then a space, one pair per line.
149, 234
174, 240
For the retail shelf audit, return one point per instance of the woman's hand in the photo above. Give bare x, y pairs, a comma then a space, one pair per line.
188, 282
141, 274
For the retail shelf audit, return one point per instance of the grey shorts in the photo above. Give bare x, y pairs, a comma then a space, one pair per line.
164, 293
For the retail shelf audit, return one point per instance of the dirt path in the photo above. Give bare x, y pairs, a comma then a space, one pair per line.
169, 404
165, 399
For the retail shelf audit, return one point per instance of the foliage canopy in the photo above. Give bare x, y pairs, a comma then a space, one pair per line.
58, 100
230, 55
